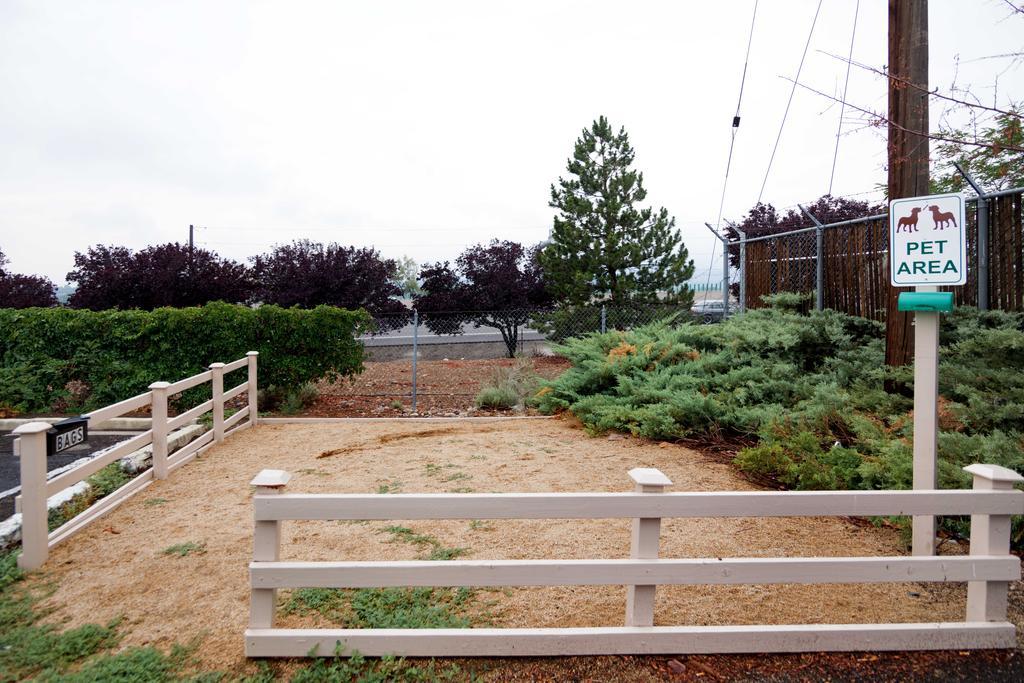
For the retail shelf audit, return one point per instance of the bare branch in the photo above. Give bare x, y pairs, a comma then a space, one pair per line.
915, 86
879, 119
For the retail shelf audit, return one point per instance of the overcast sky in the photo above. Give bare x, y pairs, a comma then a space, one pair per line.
421, 127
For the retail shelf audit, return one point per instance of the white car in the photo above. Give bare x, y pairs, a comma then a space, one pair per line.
709, 311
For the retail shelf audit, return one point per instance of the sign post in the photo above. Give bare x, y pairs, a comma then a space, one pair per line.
927, 248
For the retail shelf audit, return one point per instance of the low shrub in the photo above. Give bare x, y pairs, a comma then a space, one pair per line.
47, 355
805, 394
497, 398
509, 386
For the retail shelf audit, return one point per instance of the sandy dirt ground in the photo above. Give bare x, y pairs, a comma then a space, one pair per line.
116, 567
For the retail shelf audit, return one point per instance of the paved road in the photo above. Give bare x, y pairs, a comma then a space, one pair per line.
10, 466
470, 334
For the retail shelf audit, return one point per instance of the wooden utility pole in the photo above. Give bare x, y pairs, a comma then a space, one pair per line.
908, 140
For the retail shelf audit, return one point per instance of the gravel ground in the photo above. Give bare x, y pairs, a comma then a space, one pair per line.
116, 567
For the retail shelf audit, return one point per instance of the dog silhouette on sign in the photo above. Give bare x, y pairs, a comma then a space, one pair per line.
942, 220
909, 222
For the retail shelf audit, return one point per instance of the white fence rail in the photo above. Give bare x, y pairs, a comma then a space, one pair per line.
36, 539
988, 570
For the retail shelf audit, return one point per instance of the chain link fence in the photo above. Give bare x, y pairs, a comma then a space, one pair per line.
430, 358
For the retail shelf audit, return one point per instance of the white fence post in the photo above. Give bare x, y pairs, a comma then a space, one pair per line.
644, 546
159, 427
253, 389
990, 535
31, 448
217, 382
266, 546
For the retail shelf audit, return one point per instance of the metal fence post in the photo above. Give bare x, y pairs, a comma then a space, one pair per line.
604, 319
982, 239
819, 262
35, 535
725, 271
725, 278
743, 266
415, 352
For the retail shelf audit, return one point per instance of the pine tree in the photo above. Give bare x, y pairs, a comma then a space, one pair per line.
603, 246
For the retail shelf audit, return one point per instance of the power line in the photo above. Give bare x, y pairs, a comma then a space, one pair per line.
842, 107
789, 102
735, 129
363, 228
736, 116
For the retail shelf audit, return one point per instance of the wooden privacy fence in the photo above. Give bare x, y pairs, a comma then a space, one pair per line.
36, 539
988, 569
855, 261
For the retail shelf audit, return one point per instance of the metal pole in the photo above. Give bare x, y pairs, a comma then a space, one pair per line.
982, 239
604, 319
725, 279
725, 271
415, 352
819, 263
743, 266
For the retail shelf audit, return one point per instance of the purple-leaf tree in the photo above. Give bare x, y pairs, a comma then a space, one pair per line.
162, 275
25, 291
499, 285
308, 274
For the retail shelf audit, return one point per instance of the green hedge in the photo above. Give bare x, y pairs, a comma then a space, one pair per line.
77, 360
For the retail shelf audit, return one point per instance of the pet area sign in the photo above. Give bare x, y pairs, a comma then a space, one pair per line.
927, 241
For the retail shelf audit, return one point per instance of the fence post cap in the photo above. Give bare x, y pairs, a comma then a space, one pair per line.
649, 476
271, 478
993, 472
32, 428
216, 366
159, 385
252, 353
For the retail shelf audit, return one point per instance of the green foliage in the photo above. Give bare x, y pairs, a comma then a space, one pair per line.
184, 549
509, 387
288, 401
385, 607
996, 164
356, 669
575, 321
437, 552
101, 484
791, 302
603, 245
808, 391
9, 572
500, 398
117, 354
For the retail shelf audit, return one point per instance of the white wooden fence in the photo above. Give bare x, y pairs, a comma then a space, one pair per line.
988, 569
36, 539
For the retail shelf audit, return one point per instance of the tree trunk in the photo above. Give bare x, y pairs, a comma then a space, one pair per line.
908, 152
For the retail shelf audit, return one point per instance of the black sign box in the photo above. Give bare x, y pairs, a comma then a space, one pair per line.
67, 434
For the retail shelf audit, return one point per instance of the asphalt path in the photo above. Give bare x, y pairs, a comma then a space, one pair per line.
10, 466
